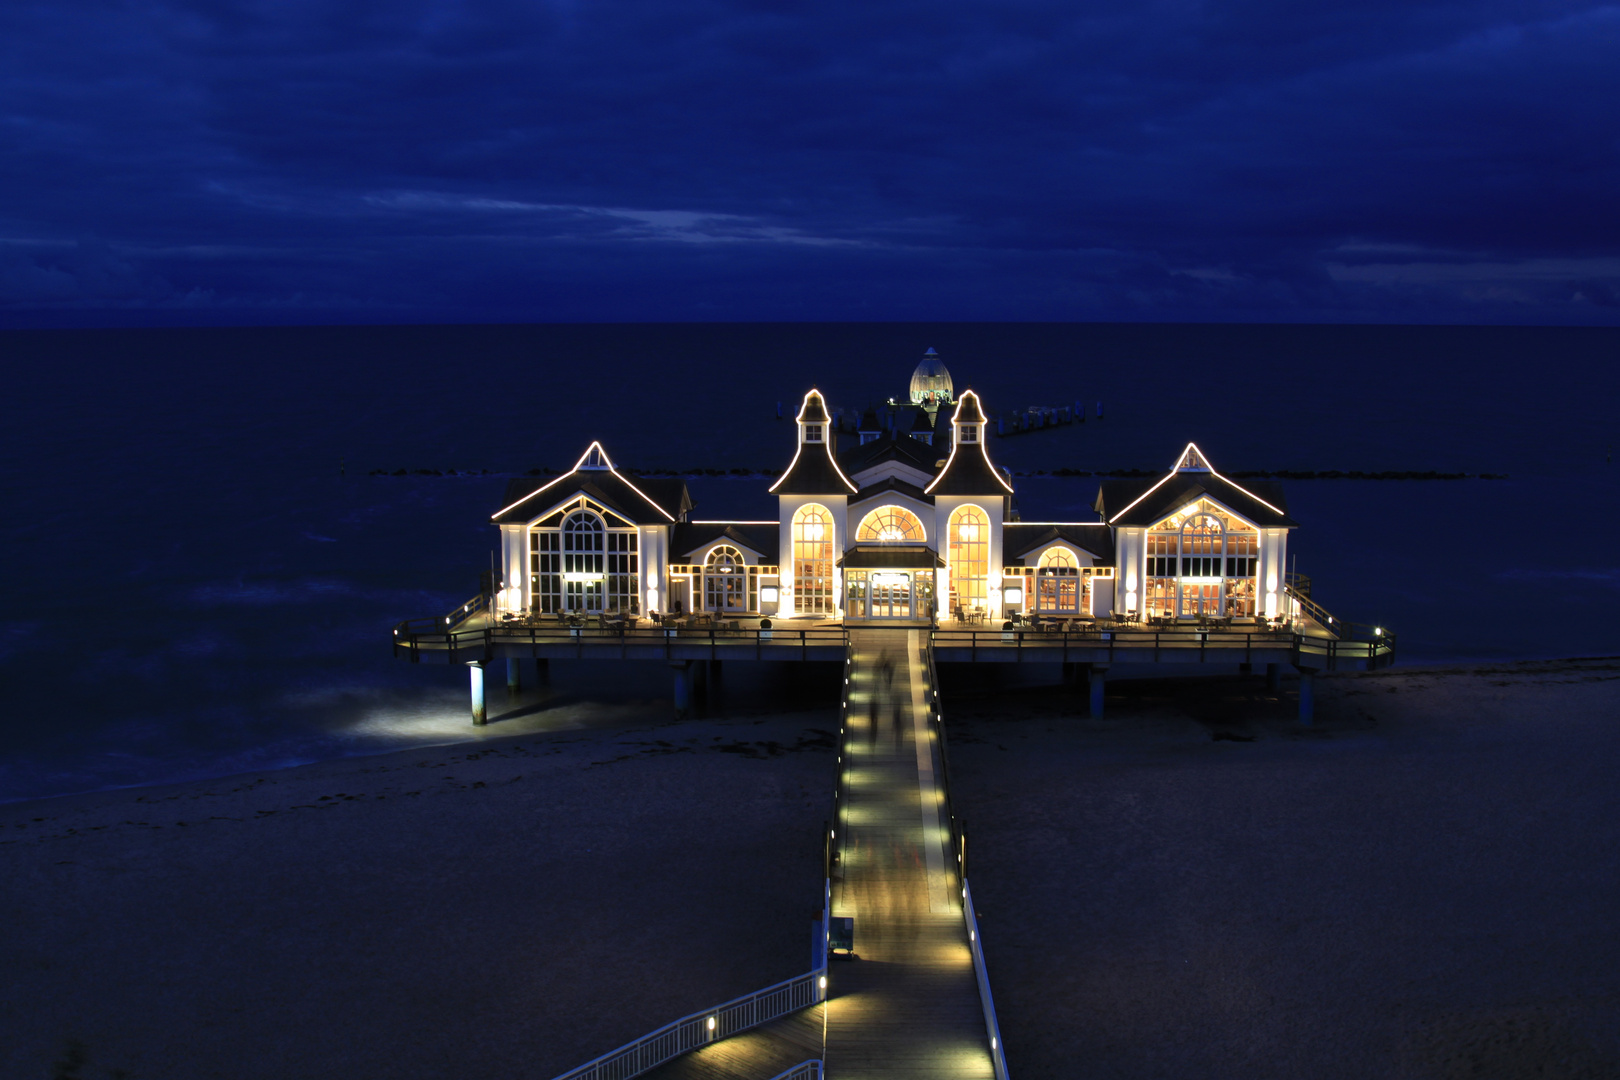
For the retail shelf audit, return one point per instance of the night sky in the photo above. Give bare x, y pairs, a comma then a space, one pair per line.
310, 161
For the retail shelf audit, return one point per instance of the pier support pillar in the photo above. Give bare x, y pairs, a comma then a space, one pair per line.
683, 688
1307, 694
1273, 678
514, 681
475, 672
717, 688
1245, 669
542, 673
1097, 685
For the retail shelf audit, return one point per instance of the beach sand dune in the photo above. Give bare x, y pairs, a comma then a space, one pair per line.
1424, 884
506, 909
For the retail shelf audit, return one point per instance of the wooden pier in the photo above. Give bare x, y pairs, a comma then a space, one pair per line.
908, 1005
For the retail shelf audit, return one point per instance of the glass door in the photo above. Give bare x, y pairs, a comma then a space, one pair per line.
891, 596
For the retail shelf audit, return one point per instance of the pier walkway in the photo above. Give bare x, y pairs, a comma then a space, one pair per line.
909, 1005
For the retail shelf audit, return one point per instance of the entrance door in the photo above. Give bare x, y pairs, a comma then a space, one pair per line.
1201, 599
891, 596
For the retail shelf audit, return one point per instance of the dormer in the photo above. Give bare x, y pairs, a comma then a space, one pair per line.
922, 429
968, 470
813, 470
870, 427
967, 423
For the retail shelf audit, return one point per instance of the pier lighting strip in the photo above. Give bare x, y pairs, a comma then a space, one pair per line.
826, 447
955, 443
596, 448
1210, 469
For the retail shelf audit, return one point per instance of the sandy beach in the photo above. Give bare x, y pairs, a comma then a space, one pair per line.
506, 909
1423, 884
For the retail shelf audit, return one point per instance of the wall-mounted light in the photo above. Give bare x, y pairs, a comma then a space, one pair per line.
1013, 595
767, 594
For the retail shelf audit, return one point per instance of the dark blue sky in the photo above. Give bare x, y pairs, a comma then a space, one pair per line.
187, 161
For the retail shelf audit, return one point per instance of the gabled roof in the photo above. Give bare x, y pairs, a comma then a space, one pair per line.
761, 538
1019, 539
1140, 503
887, 447
889, 485
813, 470
968, 470
644, 501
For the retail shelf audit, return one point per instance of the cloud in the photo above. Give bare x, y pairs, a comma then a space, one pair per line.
734, 160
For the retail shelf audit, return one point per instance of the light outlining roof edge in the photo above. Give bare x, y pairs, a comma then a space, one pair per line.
799, 449
597, 446
1207, 468
985, 454
771, 522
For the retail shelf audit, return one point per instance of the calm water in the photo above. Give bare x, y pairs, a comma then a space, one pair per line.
201, 574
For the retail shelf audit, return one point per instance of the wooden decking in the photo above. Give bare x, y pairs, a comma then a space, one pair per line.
757, 1054
908, 1006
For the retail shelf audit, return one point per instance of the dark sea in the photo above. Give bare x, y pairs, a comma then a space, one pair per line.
202, 563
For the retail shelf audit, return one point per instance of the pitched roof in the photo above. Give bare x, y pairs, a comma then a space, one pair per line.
689, 537
1019, 539
889, 447
886, 486
657, 501
813, 470
813, 410
968, 470
1140, 503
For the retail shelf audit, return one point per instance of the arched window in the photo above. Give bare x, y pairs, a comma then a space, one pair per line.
1201, 561
890, 524
969, 556
583, 569
1057, 582
813, 560
725, 580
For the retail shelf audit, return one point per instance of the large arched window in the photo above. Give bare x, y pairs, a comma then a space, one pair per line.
725, 580
1201, 561
890, 524
583, 571
969, 556
813, 560
1058, 582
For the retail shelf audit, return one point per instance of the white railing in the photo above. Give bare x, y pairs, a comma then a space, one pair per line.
702, 1028
808, 1070
998, 1054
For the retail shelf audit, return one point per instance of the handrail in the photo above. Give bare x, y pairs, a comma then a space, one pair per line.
1356, 642
970, 919
471, 608
1322, 615
702, 1028
998, 1052
416, 635
808, 1070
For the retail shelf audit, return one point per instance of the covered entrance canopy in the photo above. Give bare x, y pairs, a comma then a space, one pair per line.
894, 581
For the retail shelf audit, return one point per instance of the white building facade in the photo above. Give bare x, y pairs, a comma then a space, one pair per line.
909, 522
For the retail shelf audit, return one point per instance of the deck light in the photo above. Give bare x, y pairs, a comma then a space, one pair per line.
711, 1023
992, 1042
822, 982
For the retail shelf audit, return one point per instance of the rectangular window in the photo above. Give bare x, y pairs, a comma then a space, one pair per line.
545, 571
812, 433
622, 595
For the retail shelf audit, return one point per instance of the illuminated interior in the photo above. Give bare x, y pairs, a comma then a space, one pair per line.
813, 560
890, 524
1201, 560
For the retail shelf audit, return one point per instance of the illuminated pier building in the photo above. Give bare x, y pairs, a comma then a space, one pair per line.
905, 518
